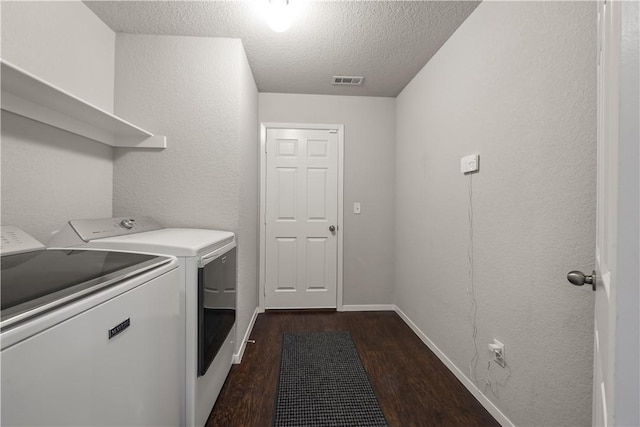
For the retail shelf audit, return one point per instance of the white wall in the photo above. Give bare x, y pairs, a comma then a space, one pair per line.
64, 43
200, 93
50, 176
369, 179
249, 196
516, 83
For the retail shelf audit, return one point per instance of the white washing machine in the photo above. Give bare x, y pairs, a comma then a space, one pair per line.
207, 260
81, 345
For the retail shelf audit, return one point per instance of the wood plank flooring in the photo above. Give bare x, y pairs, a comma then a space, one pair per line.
413, 386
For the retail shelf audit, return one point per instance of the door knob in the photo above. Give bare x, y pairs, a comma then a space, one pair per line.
578, 278
332, 228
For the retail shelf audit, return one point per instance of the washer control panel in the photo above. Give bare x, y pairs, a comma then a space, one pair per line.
16, 241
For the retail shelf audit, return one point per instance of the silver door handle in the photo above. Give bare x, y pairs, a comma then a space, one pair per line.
332, 228
578, 278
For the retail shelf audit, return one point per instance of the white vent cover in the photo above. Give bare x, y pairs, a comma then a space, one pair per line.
348, 80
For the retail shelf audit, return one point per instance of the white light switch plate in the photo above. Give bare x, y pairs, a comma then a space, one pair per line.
469, 163
356, 208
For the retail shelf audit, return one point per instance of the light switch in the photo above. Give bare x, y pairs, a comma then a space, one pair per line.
356, 208
469, 163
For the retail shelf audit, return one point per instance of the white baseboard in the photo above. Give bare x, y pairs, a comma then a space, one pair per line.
237, 358
369, 307
470, 385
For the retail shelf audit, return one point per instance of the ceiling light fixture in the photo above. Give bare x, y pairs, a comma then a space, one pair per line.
279, 15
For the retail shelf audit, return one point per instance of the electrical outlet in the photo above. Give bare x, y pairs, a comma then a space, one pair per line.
497, 349
469, 163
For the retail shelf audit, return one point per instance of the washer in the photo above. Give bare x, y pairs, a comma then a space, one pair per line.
79, 340
207, 260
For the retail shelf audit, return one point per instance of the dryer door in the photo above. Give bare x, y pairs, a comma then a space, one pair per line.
216, 306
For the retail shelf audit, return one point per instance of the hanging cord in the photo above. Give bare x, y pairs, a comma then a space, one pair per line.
473, 363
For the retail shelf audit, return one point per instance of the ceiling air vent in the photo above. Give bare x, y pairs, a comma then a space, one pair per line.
348, 80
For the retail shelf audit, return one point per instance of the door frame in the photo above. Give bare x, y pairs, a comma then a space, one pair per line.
263, 194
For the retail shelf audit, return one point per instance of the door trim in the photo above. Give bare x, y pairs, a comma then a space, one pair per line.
263, 193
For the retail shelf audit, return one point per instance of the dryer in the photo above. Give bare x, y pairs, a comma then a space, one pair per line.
207, 260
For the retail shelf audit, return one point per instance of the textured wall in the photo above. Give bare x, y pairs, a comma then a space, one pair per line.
48, 175
369, 179
516, 83
199, 92
248, 228
64, 43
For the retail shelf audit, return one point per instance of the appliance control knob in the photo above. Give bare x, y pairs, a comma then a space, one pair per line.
126, 223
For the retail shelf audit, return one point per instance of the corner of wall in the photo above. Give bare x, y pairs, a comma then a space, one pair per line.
249, 195
65, 44
462, 377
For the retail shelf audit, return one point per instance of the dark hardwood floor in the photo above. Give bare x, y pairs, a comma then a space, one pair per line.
413, 386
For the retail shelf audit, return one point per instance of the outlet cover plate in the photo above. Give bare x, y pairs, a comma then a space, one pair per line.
470, 163
497, 349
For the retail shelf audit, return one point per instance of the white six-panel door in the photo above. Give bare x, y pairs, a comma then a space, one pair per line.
301, 218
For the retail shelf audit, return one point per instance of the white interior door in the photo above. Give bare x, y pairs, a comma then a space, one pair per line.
301, 218
616, 356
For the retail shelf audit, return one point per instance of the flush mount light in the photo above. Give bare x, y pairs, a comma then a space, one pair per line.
279, 15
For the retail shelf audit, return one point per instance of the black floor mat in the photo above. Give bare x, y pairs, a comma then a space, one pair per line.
323, 383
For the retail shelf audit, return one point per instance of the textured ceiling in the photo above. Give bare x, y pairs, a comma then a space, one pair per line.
387, 42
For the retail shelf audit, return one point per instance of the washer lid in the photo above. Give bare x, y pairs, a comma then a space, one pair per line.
39, 281
169, 241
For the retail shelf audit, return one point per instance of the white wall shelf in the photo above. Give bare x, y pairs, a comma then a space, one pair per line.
29, 96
